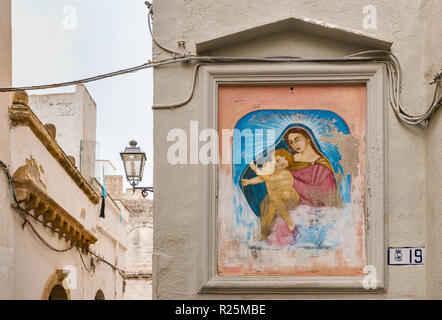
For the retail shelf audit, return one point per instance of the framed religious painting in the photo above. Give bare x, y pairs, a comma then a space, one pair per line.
295, 202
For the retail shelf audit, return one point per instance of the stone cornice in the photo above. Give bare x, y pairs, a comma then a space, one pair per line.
31, 191
21, 115
300, 24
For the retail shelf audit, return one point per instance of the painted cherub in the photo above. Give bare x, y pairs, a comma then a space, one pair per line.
279, 184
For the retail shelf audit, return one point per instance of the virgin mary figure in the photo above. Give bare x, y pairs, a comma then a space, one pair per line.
313, 180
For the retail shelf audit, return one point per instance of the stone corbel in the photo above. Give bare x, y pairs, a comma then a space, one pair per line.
31, 191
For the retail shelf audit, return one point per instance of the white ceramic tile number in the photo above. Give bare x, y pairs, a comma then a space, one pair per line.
405, 256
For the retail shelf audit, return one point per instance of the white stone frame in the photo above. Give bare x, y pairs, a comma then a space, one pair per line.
373, 75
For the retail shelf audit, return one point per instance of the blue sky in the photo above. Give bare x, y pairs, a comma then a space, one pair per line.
109, 35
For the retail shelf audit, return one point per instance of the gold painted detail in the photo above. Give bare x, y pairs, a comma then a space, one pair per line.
31, 192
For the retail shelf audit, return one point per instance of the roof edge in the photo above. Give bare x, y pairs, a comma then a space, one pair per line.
301, 24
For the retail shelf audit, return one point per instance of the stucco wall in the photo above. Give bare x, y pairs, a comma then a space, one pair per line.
33, 264
27, 267
413, 208
6, 234
139, 238
433, 58
74, 115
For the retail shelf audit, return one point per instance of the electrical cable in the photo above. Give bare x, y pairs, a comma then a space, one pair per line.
25, 214
45, 242
98, 77
190, 95
120, 271
186, 58
84, 264
393, 68
394, 73
149, 22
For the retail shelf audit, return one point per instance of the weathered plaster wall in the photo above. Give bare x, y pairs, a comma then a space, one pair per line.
75, 116
433, 58
34, 263
6, 234
27, 267
413, 208
89, 122
139, 238
139, 253
138, 289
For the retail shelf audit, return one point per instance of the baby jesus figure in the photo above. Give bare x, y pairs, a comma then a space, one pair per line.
279, 185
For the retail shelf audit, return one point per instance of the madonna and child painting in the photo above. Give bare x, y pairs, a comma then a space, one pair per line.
301, 176
291, 202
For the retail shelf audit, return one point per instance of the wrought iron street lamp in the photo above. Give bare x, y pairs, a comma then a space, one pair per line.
134, 160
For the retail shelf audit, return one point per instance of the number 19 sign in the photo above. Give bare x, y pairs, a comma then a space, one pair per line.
405, 256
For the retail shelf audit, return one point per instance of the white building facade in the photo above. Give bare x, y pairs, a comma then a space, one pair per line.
54, 245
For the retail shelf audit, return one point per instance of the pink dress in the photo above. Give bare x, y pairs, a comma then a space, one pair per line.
314, 184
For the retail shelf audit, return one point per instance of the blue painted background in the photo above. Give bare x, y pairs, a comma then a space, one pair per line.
256, 143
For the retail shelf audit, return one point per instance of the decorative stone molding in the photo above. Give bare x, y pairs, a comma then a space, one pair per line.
31, 191
21, 98
58, 277
21, 115
72, 159
372, 75
31, 171
305, 25
52, 130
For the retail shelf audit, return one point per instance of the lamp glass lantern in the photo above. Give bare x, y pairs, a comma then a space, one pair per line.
133, 160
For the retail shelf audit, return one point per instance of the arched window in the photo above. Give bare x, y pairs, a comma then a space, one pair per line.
58, 293
100, 295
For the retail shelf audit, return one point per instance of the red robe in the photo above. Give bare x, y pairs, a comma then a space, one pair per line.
315, 184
